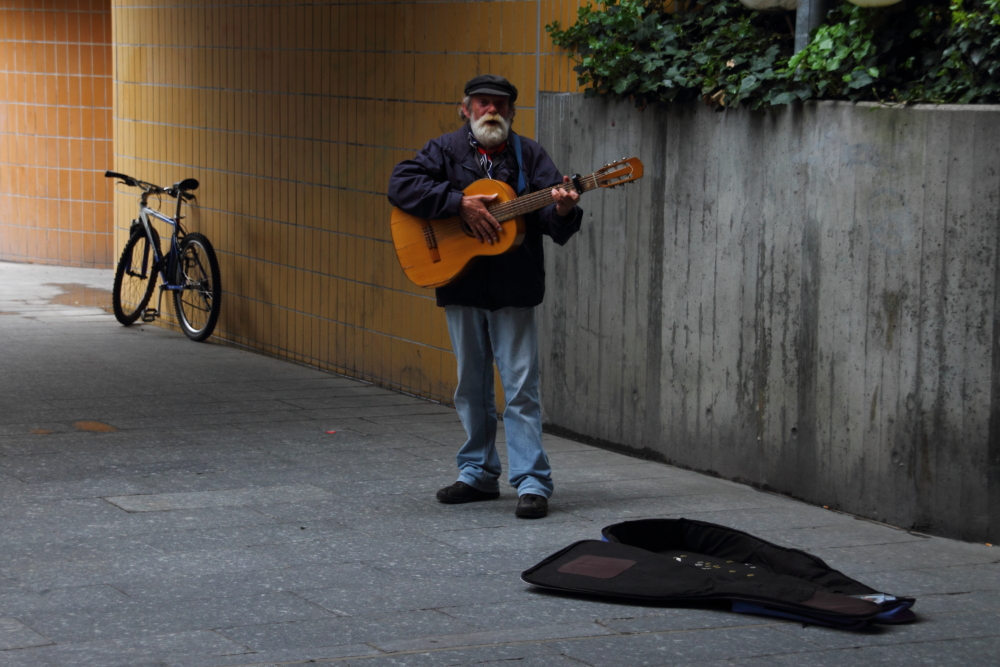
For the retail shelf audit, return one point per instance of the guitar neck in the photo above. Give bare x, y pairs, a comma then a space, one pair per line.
538, 200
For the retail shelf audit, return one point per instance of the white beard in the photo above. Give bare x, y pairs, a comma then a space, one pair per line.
490, 136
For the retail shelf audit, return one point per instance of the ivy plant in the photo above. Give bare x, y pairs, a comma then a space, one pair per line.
726, 54
963, 65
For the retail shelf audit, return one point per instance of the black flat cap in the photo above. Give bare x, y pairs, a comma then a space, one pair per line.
491, 84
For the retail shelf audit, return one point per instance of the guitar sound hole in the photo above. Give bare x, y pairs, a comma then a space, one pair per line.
467, 230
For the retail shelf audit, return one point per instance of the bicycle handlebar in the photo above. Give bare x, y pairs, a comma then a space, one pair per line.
179, 189
127, 180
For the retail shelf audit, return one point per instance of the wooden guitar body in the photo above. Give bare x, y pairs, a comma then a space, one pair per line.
435, 252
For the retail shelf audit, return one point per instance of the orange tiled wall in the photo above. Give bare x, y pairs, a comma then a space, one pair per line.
292, 117
55, 132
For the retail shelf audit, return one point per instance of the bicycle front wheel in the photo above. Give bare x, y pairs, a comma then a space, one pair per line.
135, 277
198, 303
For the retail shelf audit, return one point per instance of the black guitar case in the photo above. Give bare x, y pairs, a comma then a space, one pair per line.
679, 560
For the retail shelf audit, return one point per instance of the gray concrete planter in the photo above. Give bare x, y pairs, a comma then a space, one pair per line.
802, 299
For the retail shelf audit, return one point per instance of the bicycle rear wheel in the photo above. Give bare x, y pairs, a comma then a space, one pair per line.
135, 277
198, 303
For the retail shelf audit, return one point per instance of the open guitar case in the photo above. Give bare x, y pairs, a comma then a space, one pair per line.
681, 560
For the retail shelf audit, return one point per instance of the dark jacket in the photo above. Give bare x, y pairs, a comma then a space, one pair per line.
430, 186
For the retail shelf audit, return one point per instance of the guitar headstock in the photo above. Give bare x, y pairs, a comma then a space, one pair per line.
618, 173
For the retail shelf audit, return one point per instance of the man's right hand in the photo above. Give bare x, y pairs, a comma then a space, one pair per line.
475, 214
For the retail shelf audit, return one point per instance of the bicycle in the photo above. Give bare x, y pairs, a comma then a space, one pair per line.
190, 269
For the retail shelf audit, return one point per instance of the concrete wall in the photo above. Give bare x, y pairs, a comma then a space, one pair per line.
803, 299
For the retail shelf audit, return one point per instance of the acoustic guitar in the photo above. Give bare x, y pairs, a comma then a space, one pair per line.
435, 252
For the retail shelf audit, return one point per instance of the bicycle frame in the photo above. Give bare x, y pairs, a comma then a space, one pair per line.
168, 268
164, 264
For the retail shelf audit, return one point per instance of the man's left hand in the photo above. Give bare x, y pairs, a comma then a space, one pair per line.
565, 199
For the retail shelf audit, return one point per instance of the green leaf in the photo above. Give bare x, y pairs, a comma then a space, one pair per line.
858, 80
929, 50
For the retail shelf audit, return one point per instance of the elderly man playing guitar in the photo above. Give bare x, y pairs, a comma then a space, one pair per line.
490, 303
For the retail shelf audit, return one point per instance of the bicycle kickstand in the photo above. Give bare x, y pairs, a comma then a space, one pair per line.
151, 314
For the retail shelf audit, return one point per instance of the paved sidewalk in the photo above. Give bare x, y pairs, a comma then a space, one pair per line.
221, 523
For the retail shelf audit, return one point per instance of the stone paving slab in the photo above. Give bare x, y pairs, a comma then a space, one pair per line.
159, 649
312, 655
953, 626
392, 593
303, 580
225, 498
223, 525
948, 653
373, 630
61, 599
493, 637
135, 618
943, 603
15, 634
686, 646
508, 655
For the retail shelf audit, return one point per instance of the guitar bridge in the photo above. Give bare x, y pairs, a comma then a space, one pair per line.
431, 241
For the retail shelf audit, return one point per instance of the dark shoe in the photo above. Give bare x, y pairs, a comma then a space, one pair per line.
460, 492
530, 506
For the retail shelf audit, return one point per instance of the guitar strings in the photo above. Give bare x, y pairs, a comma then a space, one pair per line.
515, 207
503, 212
512, 208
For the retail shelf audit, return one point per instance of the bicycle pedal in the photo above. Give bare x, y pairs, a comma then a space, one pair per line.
150, 314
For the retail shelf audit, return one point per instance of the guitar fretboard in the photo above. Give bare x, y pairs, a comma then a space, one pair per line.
537, 200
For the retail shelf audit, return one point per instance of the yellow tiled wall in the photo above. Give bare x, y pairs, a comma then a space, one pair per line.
55, 132
292, 116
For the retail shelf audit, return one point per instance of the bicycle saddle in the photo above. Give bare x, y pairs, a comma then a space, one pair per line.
187, 184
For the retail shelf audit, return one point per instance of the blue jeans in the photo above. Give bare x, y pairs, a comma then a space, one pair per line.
508, 336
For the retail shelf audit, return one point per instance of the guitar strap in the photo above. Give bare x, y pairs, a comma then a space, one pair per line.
521, 184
